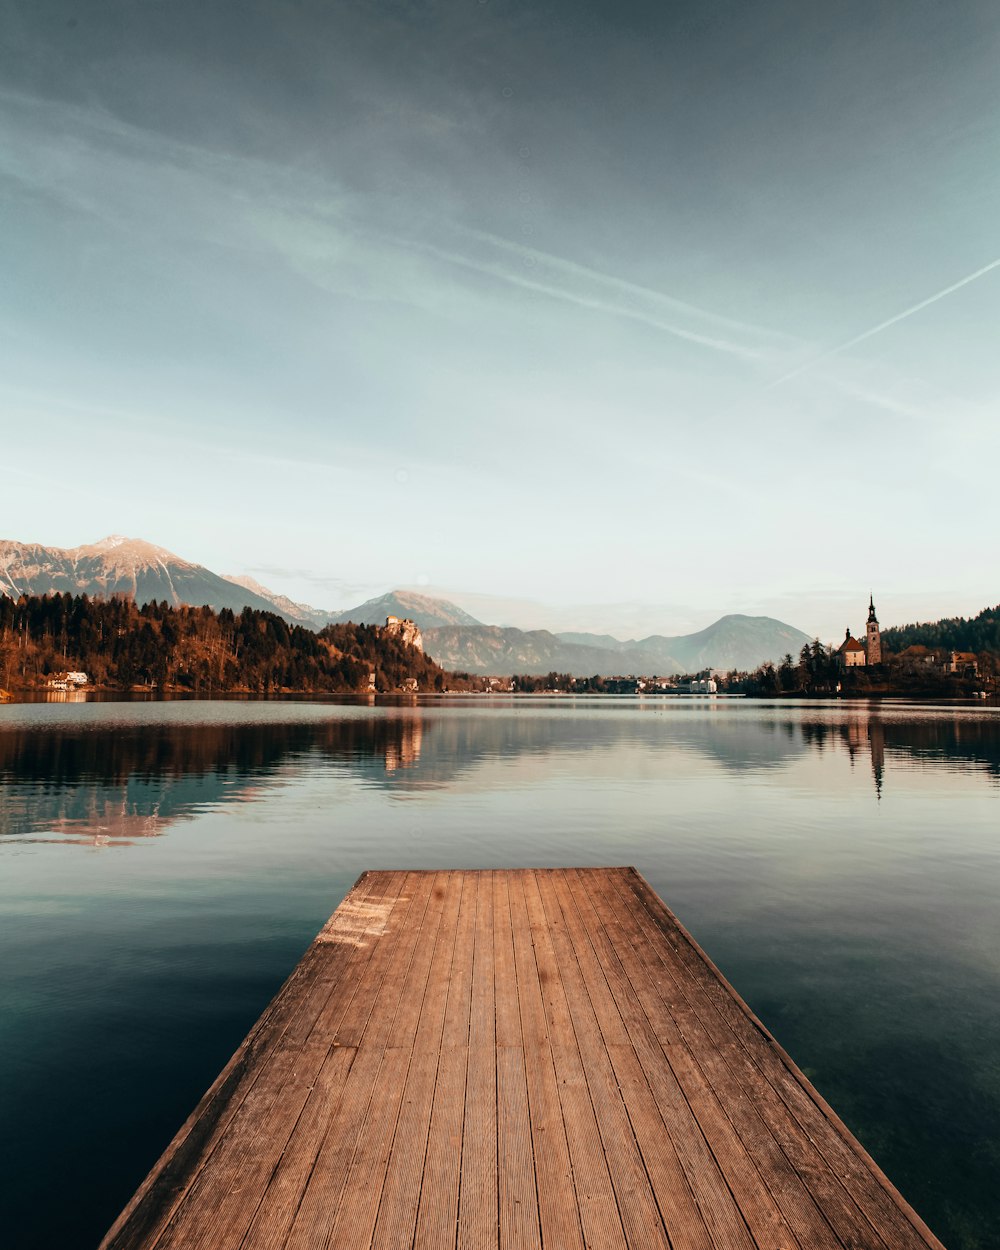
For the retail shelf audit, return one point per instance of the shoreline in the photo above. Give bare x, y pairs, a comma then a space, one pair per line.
112, 694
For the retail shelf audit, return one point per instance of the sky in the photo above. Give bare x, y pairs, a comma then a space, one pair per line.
624, 315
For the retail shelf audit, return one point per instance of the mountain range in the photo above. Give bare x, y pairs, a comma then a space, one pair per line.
732, 642
456, 640
118, 565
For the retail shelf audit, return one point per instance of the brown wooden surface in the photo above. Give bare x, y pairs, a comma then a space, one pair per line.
505, 1060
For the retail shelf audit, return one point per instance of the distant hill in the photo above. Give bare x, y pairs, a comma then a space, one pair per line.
593, 640
736, 641
740, 642
497, 650
428, 613
297, 613
119, 566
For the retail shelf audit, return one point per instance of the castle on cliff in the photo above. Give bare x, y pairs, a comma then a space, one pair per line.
408, 630
855, 654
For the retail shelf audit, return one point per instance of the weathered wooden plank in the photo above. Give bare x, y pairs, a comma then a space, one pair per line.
279, 1204
516, 1187
400, 1192
437, 1214
558, 1204
512, 1060
636, 1201
365, 1184
325, 1184
595, 1191
478, 1198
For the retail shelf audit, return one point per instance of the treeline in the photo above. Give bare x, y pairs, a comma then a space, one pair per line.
120, 645
956, 633
818, 671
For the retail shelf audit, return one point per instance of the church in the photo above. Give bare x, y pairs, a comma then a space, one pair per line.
855, 654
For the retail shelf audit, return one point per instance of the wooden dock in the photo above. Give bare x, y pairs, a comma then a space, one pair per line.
512, 1059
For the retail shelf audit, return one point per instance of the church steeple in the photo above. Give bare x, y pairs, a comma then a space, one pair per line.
873, 636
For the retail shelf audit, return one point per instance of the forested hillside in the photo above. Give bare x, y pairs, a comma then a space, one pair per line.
119, 645
956, 633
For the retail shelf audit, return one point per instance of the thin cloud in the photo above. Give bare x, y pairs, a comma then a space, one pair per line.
208, 186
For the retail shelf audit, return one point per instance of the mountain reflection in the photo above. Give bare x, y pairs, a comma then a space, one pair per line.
111, 784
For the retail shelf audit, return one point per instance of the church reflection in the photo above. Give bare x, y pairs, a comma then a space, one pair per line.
864, 735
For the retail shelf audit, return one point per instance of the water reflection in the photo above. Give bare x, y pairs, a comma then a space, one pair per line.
105, 784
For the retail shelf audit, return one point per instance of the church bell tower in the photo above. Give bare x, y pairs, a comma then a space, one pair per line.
873, 638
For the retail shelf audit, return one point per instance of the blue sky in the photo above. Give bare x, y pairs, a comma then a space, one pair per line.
686, 307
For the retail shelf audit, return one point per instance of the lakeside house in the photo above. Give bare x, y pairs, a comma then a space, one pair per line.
956, 663
67, 681
917, 655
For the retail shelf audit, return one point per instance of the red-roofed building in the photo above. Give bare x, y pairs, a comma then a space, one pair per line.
851, 652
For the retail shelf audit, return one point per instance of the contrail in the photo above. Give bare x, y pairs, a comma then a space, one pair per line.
884, 325
618, 284
573, 297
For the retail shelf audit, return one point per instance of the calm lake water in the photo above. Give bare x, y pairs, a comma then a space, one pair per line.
164, 865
